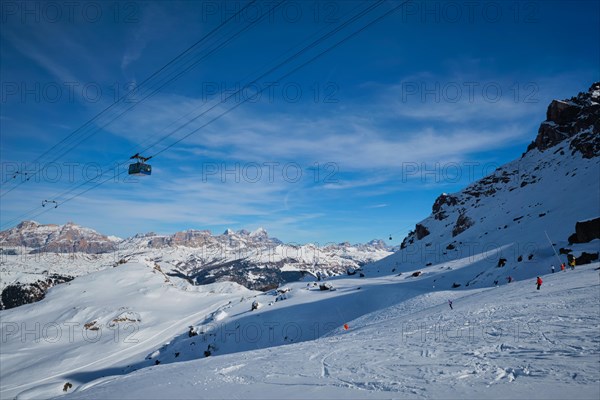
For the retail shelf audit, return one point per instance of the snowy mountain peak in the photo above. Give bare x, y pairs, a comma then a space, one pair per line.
378, 243
260, 232
27, 225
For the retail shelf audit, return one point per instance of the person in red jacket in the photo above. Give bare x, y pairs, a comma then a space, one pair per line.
539, 282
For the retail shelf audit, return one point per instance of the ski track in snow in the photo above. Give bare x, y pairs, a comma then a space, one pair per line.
519, 343
417, 348
154, 341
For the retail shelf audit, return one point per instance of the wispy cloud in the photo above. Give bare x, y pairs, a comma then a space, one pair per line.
42, 56
378, 206
349, 141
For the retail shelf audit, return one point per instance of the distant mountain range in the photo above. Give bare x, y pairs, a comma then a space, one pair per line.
36, 257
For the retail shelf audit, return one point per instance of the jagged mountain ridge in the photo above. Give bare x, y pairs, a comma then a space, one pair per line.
67, 238
32, 237
36, 257
507, 217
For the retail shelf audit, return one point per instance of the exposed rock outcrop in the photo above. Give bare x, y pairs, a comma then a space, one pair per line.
577, 117
421, 231
18, 294
444, 200
463, 222
586, 231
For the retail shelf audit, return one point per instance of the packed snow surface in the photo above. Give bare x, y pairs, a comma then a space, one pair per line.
402, 339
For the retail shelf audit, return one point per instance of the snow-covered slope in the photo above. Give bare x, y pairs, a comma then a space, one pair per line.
85, 328
402, 339
518, 208
506, 342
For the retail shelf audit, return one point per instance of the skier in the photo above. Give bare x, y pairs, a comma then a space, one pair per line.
572, 263
254, 305
562, 266
450, 304
538, 282
509, 279
553, 269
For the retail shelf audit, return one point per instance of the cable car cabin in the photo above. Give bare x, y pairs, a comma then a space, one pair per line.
140, 169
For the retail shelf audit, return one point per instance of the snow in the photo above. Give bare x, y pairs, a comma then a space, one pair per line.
402, 341
98, 321
546, 193
289, 267
133, 331
258, 232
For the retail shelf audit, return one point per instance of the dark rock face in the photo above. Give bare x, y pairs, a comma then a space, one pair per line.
18, 294
586, 231
577, 118
421, 231
267, 276
587, 258
587, 143
406, 241
462, 224
443, 200
561, 112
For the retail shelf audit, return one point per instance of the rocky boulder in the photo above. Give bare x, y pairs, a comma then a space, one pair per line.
586, 231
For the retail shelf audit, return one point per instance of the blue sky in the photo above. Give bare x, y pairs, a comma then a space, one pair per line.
355, 145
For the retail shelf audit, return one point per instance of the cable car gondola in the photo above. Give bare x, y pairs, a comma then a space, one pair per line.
140, 167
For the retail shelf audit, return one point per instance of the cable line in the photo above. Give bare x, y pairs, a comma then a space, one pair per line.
313, 44
125, 96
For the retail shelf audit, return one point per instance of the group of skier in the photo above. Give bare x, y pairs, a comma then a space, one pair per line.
563, 267
538, 281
